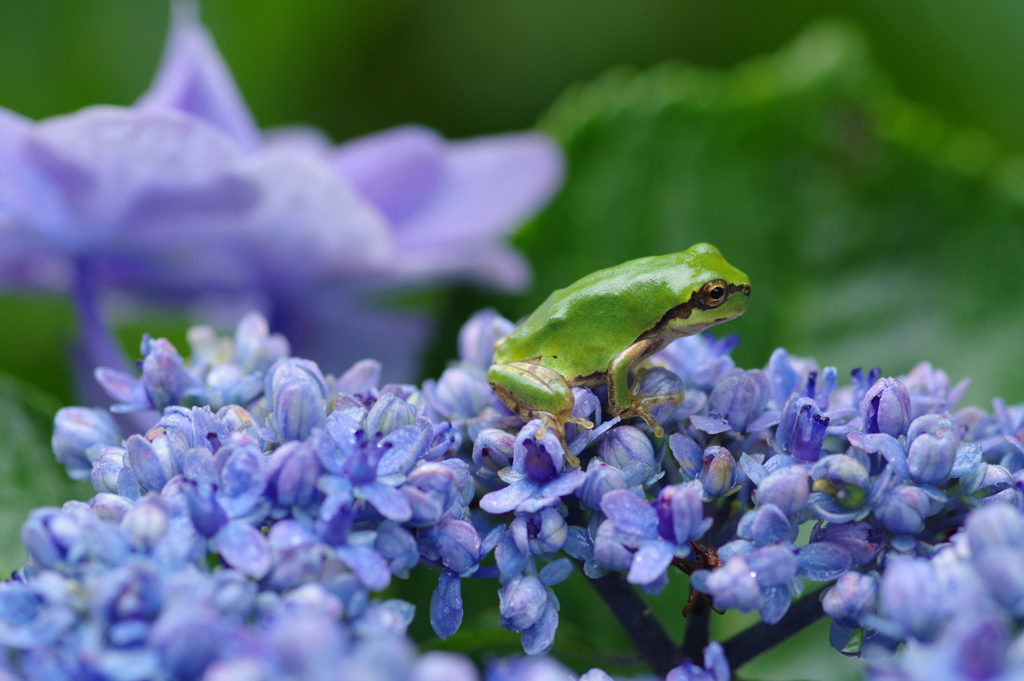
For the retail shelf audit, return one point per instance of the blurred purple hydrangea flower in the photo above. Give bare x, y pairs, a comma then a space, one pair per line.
182, 194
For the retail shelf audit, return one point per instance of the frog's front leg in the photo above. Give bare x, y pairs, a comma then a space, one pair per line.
532, 391
626, 405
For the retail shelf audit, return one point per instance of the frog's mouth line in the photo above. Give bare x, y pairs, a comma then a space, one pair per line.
684, 310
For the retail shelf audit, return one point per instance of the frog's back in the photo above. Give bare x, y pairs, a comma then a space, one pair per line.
579, 329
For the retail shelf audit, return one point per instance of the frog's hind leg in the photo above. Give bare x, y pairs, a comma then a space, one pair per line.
532, 391
621, 401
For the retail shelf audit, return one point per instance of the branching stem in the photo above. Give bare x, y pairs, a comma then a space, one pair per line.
754, 640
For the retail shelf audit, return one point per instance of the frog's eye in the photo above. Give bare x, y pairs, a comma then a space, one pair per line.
712, 294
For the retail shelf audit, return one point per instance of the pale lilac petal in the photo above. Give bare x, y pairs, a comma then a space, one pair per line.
391, 503
121, 386
363, 376
494, 264
145, 179
823, 561
491, 185
564, 485
369, 567
507, 498
555, 572
194, 78
510, 558
307, 215
650, 562
398, 170
446, 604
539, 638
244, 548
630, 514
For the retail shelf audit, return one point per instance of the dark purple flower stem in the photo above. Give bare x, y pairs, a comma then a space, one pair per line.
651, 640
100, 346
697, 635
751, 642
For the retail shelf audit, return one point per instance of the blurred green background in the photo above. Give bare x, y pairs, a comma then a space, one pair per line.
865, 174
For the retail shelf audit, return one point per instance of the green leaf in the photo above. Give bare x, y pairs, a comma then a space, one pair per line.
29, 474
874, 233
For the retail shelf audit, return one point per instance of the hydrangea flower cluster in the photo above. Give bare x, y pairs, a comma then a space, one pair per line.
245, 534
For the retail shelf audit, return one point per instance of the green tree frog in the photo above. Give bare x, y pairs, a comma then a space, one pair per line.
594, 331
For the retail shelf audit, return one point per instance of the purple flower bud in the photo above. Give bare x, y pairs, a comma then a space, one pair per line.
801, 430
911, 596
256, 348
49, 536
458, 544
205, 511
492, 451
188, 637
461, 392
430, 489
298, 408
362, 378
772, 565
152, 466
718, 471
147, 522
630, 514
289, 369
110, 506
700, 360
243, 478
610, 550
601, 479
688, 454
238, 420
522, 601
292, 472
765, 525
540, 459
544, 532
732, 586
886, 408
164, 376
244, 548
18, 605
478, 336
659, 381
932, 450
398, 547
740, 397
994, 526
387, 414
850, 598
786, 488
716, 667
106, 469
628, 449
681, 513
862, 540
903, 509
436, 665
79, 436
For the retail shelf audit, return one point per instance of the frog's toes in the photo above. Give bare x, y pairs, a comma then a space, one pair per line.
639, 407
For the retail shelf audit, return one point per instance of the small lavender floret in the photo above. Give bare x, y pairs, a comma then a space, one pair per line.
630, 450
885, 408
801, 430
740, 397
79, 437
716, 667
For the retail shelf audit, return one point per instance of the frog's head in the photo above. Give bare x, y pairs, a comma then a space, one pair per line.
717, 292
